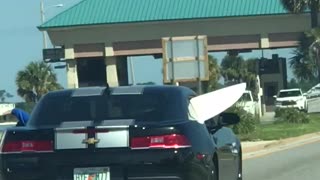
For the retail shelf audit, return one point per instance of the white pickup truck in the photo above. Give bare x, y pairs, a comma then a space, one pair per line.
247, 102
291, 98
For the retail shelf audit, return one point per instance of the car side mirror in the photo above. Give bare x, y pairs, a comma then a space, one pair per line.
275, 96
227, 119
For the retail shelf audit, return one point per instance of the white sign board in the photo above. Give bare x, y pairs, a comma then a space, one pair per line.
4, 107
185, 59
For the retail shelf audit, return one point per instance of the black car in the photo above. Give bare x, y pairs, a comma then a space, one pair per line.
123, 133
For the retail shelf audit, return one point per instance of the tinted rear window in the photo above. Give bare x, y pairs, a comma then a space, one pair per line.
147, 107
289, 93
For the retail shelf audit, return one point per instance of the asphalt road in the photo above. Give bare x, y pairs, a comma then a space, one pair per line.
300, 163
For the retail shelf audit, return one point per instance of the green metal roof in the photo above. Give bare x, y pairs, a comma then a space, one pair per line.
94, 12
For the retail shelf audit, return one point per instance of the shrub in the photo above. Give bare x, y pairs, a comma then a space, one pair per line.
278, 112
292, 115
248, 122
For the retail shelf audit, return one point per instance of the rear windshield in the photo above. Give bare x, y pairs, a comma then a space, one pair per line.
146, 107
289, 93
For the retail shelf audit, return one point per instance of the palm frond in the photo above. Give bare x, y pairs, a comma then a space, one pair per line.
36, 80
295, 6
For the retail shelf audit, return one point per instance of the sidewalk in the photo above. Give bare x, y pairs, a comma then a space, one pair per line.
248, 147
267, 118
261, 148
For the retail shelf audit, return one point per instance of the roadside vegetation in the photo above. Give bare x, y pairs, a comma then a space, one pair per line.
291, 115
283, 129
289, 123
248, 123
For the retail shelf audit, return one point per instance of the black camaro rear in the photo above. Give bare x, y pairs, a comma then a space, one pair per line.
124, 133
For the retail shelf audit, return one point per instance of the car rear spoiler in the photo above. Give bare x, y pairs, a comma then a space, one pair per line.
206, 106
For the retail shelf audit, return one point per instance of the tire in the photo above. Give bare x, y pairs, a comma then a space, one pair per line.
215, 175
240, 166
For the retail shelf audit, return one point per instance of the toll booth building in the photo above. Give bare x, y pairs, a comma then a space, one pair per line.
273, 78
95, 37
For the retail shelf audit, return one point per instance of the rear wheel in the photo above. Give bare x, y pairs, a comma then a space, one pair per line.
215, 170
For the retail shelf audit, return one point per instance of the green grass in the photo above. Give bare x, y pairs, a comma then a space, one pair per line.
278, 131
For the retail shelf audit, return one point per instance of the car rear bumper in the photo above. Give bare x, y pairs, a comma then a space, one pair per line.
137, 165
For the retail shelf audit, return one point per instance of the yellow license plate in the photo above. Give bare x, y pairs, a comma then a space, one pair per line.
94, 173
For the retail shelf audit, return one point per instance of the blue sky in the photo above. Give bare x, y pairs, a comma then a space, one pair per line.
21, 42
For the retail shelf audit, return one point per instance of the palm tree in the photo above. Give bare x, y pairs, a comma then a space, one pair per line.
236, 70
214, 74
36, 80
233, 68
305, 62
299, 6
4, 94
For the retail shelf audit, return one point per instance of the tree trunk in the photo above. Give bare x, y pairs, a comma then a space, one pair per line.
318, 73
314, 16
318, 63
318, 66
314, 23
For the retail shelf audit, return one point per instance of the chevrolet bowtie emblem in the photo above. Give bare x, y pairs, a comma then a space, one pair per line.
90, 141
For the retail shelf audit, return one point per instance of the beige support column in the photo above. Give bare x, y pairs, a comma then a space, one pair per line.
111, 71
264, 41
109, 51
72, 75
111, 65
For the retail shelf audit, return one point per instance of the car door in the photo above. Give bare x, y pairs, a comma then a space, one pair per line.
228, 153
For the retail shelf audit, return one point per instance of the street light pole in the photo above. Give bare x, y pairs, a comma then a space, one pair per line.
42, 21
42, 14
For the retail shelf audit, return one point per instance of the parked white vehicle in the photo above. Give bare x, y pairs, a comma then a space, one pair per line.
291, 98
247, 102
314, 92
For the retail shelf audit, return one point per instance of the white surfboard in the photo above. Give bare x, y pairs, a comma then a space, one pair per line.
206, 106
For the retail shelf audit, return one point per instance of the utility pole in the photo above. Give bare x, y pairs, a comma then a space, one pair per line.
198, 67
42, 14
173, 81
42, 21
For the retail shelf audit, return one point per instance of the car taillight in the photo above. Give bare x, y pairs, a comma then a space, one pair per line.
164, 141
27, 146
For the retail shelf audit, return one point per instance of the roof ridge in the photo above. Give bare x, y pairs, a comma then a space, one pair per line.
98, 12
62, 13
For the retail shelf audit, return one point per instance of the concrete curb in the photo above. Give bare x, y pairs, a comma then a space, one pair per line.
257, 149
